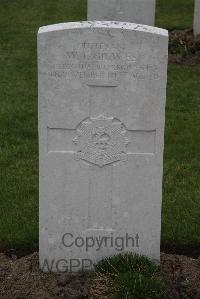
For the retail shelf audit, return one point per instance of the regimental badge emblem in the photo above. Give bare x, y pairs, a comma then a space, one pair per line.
101, 141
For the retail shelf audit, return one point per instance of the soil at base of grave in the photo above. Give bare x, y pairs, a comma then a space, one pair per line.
184, 48
21, 278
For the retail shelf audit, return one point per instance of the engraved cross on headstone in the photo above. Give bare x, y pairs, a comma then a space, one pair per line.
101, 141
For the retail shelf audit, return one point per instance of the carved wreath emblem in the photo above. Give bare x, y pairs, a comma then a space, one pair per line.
101, 141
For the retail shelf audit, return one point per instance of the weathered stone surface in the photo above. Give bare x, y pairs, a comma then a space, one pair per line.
136, 11
102, 89
197, 17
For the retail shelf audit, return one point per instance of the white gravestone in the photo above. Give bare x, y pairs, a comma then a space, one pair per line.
102, 92
197, 18
136, 11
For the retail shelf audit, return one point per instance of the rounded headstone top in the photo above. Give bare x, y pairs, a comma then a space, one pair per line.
103, 24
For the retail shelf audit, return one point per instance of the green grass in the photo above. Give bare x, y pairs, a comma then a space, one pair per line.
19, 22
130, 276
175, 14
181, 205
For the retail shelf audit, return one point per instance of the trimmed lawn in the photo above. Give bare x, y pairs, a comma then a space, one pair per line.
175, 14
20, 20
181, 204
